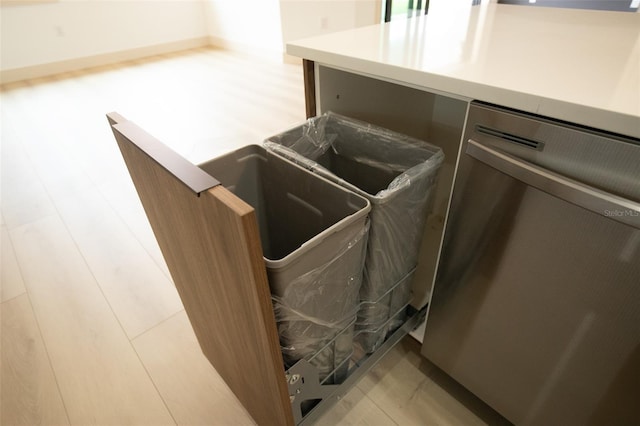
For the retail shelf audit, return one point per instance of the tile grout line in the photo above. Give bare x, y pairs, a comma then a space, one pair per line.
155, 386
366, 395
157, 324
14, 297
133, 234
153, 381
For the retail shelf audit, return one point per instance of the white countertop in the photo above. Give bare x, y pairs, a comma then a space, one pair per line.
581, 66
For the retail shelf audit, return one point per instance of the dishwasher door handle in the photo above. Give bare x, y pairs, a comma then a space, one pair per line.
598, 201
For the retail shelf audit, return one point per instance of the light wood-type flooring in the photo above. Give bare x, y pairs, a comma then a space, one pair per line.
93, 331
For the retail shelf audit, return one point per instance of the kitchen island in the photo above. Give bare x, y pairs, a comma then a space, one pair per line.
565, 77
580, 66
417, 76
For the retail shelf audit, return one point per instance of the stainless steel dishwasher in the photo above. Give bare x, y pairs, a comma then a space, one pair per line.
536, 305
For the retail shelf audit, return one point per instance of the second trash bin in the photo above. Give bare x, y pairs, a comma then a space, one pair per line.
397, 174
314, 235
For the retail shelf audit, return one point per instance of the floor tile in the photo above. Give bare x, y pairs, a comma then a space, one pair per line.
355, 409
412, 391
30, 394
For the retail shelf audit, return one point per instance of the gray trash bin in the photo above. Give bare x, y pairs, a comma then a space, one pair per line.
397, 174
313, 234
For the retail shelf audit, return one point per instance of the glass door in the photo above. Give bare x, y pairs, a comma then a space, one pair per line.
402, 9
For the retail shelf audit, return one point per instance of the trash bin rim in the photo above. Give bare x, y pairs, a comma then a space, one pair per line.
353, 219
423, 169
349, 220
384, 132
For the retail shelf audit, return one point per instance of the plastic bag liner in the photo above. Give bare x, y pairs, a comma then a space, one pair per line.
397, 174
320, 307
313, 235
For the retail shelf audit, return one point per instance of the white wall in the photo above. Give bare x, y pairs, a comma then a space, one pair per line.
252, 25
60, 35
40, 33
306, 18
266, 26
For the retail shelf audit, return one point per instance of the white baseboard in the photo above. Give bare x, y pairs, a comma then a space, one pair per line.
43, 70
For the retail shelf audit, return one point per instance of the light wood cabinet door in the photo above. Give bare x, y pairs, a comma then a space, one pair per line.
209, 238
